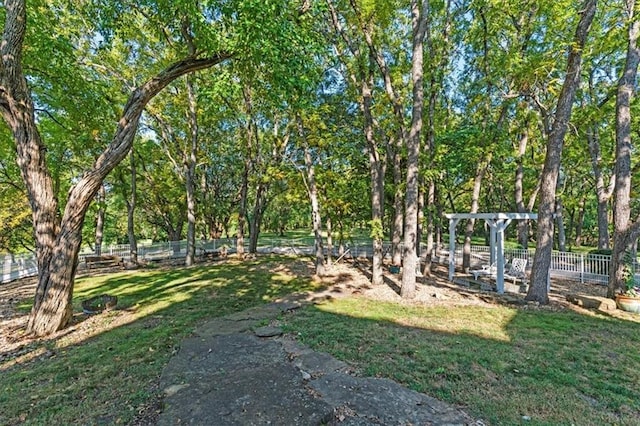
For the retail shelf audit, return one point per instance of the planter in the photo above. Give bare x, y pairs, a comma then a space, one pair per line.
97, 304
628, 303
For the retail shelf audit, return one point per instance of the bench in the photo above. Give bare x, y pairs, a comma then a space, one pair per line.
516, 272
103, 261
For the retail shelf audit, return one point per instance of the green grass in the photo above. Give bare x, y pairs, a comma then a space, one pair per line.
110, 376
499, 363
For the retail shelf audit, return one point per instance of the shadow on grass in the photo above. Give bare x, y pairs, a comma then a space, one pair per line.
108, 372
502, 364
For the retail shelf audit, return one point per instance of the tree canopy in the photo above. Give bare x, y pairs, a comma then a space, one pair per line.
204, 119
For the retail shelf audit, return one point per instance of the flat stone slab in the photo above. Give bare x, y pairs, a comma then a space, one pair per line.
592, 302
268, 331
225, 377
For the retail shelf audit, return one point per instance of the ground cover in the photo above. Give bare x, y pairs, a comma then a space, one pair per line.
105, 368
502, 360
504, 364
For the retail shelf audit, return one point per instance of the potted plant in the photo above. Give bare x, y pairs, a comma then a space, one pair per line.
629, 300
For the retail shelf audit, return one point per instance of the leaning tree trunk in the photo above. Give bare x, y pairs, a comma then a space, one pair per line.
58, 241
544, 242
625, 234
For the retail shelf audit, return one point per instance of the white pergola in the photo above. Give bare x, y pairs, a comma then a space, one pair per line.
498, 222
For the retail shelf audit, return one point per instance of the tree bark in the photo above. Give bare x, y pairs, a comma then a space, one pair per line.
58, 240
562, 235
242, 210
603, 191
549, 178
329, 226
256, 217
100, 200
580, 221
398, 204
523, 225
419, 16
131, 206
190, 173
377, 172
625, 233
315, 206
377, 163
481, 169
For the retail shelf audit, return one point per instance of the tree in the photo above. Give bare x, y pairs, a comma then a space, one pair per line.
625, 232
549, 179
419, 19
58, 239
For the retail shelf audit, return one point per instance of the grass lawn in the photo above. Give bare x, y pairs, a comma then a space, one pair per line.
504, 365
110, 374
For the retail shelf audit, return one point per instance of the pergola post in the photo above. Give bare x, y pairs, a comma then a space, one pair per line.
493, 254
498, 222
498, 227
453, 222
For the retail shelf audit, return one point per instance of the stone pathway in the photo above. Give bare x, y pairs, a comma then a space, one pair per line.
237, 371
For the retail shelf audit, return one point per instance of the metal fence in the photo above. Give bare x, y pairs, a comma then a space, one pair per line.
585, 268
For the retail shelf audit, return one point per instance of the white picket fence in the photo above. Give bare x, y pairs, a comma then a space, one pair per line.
585, 268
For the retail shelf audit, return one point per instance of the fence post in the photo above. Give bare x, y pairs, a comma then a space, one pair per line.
581, 268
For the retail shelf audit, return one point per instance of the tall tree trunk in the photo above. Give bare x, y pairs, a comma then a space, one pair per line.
580, 221
603, 191
419, 232
328, 225
131, 207
255, 220
101, 199
190, 173
315, 210
58, 240
523, 225
242, 211
398, 204
549, 178
377, 172
625, 233
419, 16
562, 235
377, 164
475, 203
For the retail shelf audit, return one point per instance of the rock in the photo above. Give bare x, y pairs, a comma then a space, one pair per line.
592, 302
268, 331
240, 379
